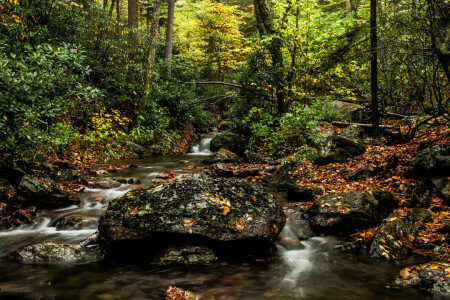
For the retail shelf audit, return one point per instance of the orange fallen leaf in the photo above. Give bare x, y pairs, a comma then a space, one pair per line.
343, 209
225, 210
434, 266
339, 203
135, 210
140, 187
189, 222
276, 228
240, 224
404, 274
253, 198
329, 220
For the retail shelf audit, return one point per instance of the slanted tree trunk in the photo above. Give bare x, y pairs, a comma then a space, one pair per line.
264, 20
374, 68
154, 34
133, 24
169, 34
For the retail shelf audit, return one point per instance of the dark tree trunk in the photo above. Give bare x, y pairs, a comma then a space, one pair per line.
133, 24
169, 34
265, 27
374, 68
154, 34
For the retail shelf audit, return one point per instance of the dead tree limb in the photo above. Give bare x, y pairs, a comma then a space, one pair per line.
345, 124
216, 82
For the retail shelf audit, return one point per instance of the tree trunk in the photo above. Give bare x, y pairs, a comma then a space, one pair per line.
154, 34
374, 68
169, 34
133, 24
263, 15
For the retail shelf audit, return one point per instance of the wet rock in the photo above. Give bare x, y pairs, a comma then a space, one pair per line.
132, 166
183, 162
247, 172
46, 166
353, 132
231, 141
7, 191
362, 174
12, 173
138, 149
188, 255
101, 172
107, 183
432, 277
46, 253
298, 193
224, 125
219, 170
348, 111
64, 165
44, 194
419, 215
66, 175
289, 244
221, 156
393, 239
76, 222
253, 157
337, 149
227, 215
90, 241
11, 216
283, 178
433, 161
346, 213
442, 184
131, 180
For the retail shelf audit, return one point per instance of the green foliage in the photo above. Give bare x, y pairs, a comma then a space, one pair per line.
45, 84
289, 134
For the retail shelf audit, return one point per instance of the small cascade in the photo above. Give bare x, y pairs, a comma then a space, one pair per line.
202, 147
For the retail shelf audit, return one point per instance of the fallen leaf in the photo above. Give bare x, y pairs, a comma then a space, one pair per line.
240, 224
343, 209
253, 198
276, 228
404, 274
434, 266
339, 203
135, 210
329, 220
225, 210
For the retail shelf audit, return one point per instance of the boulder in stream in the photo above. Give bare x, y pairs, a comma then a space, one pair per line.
346, 213
44, 194
432, 277
227, 216
46, 253
231, 141
221, 156
187, 255
76, 222
393, 239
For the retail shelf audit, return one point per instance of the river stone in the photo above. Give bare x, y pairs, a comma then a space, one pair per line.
44, 194
432, 277
283, 178
6, 190
76, 222
393, 239
188, 255
353, 132
433, 161
337, 149
419, 215
46, 253
107, 183
442, 184
231, 141
299, 193
66, 175
362, 174
253, 157
192, 212
346, 213
221, 156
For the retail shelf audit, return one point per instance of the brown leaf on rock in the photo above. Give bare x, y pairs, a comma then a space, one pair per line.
404, 273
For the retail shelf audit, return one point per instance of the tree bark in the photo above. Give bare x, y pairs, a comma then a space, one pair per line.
374, 68
264, 19
154, 34
169, 35
133, 24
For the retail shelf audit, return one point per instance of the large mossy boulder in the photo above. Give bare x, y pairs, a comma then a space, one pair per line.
7, 191
283, 178
345, 213
221, 156
46, 253
337, 149
227, 216
393, 240
432, 277
433, 161
44, 194
348, 111
231, 141
442, 184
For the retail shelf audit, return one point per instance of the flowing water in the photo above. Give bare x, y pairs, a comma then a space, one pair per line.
304, 267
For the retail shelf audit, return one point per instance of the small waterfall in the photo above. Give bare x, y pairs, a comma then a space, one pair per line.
202, 147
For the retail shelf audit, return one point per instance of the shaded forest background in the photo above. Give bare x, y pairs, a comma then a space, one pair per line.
83, 80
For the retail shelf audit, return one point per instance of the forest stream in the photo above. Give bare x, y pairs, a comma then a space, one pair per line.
307, 267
